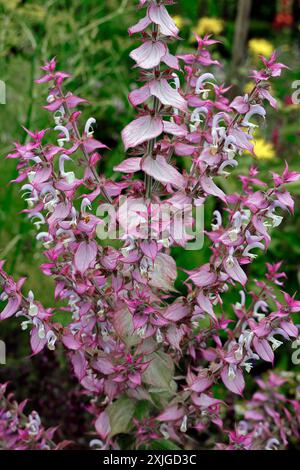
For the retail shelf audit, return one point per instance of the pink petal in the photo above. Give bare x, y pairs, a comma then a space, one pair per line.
205, 401
240, 105
149, 54
37, 343
160, 16
135, 378
164, 273
149, 248
236, 272
176, 311
263, 92
289, 328
174, 336
61, 212
286, 199
85, 256
242, 140
211, 188
102, 425
184, 150
235, 385
205, 304
72, 101
202, 277
130, 165
11, 308
44, 79
174, 129
255, 415
42, 175
173, 413
167, 95
139, 96
263, 349
55, 105
70, 342
79, 364
104, 366
201, 383
140, 26
90, 145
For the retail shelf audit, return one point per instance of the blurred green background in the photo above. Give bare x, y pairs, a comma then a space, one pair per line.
90, 41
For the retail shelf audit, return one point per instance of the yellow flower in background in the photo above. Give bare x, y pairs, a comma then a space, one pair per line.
260, 47
179, 21
209, 25
263, 149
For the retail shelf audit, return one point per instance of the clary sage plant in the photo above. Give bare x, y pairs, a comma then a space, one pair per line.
159, 365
